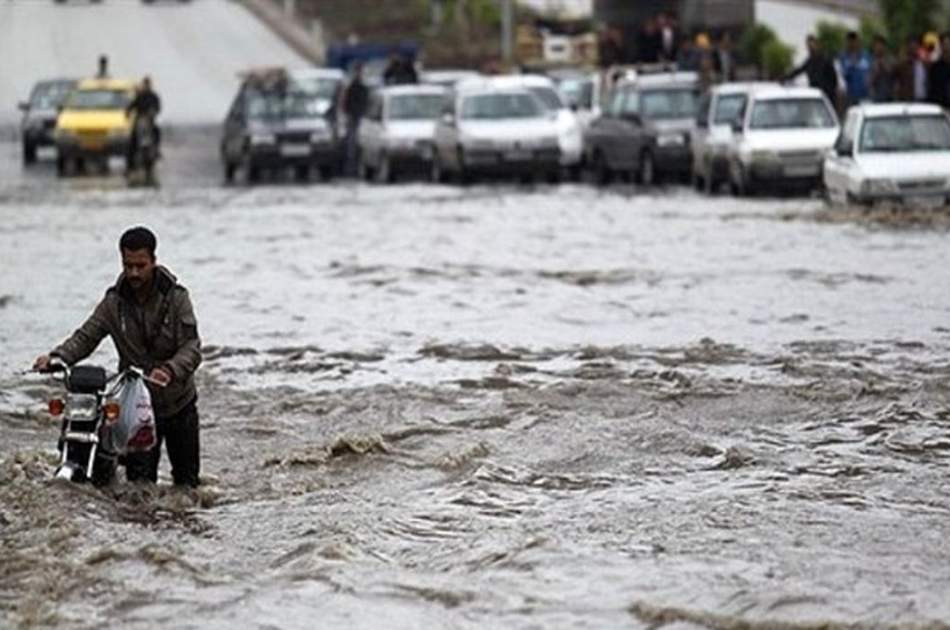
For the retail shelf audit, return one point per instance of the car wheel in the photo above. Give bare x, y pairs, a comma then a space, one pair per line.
229, 169
302, 173
61, 165
465, 177
647, 171
29, 153
363, 170
252, 174
602, 173
699, 183
327, 173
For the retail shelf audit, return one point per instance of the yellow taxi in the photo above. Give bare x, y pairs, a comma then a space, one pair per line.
92, 123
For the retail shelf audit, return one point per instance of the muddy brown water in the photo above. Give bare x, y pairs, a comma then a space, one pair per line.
496, 407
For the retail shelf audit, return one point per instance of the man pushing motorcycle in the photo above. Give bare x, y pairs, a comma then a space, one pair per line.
151, 321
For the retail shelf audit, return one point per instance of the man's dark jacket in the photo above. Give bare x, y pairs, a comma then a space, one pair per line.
162, 332
821, 74
144, 102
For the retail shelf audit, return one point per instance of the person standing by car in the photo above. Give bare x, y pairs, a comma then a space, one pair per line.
819, 69
938, 91
103, 72
150, 319
355, 103
856, 71
910, 75
882, 72
145, 103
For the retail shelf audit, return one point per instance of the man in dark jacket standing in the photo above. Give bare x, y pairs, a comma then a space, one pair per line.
151, 321
938, 79
819, 69
355, 104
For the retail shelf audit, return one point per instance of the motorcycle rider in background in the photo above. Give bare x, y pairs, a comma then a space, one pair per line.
145, 103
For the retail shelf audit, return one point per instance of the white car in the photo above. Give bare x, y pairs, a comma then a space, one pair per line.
891, 151
781, 140
485, 129
582, 91
396, 133
569, 128
447, 77
719, 111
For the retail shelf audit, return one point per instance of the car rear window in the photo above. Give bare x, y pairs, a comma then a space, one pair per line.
98, 99
501, 106
791, 113
415, 107
669, 104
905, 133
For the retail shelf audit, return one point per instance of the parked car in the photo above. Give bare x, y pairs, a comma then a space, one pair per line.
570, 133
274, 124
447, 77
92, 125
582, 90
40, 112
781, 140
720, 110
645, 128
396, 134
485, 129
893, 151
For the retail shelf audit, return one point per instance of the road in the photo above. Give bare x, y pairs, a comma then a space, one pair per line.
192, 51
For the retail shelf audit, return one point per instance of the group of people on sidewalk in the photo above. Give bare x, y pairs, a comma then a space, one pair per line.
920, 72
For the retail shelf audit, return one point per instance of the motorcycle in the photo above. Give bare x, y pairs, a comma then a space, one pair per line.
144, 151
89, 411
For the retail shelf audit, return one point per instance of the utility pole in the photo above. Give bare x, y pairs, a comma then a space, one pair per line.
507, 30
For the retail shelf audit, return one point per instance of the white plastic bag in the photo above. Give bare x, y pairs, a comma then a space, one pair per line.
134, 432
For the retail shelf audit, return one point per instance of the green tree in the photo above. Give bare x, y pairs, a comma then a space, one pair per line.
777, 59
908, 18
831, 37
753, 42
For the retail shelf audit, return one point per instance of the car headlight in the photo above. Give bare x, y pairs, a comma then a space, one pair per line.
81, 406
670, 140
263, 138
878, 186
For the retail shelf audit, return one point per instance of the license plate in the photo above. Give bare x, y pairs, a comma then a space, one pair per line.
92, 145
294, 150
808, 170
518, 156
925, 201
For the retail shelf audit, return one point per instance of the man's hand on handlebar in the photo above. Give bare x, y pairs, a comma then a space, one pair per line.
42, 363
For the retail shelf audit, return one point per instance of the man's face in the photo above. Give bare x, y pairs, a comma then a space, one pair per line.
139, 267
812, 45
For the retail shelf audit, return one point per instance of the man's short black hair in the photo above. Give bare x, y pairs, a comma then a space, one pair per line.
852, 35
138, 238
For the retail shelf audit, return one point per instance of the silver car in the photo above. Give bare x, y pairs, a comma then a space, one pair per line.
485, 129
396, 134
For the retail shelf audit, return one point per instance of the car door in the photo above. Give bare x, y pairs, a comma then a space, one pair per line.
840, 166
604, 130
628, 135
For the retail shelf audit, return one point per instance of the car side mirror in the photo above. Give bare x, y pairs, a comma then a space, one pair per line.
847, 151
23, 106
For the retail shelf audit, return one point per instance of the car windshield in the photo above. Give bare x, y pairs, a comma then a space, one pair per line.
669, 104
791, 113
50, 95
729, 109
579, 93
548, 96
279, 105
317, 87
501, 106
415, 107
98, 99
905, 133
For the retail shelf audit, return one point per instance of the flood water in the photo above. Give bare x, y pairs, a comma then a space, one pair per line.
495, 407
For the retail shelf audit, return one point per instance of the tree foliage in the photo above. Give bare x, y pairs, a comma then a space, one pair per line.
902, 19
777, 59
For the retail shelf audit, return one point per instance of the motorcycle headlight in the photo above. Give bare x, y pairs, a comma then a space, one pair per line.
879, 186
263, 138
81, 406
